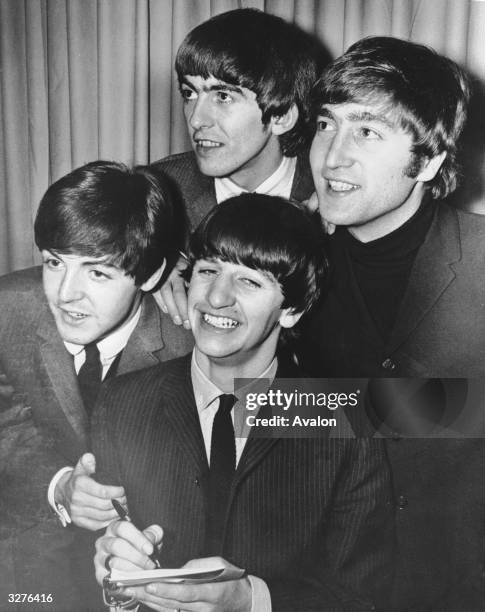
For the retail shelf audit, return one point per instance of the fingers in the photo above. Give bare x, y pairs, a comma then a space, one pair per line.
329, 227
128, 546
166, 293
90, 505
86, 485
141, 541
85, 465
172, 297
154, 533
180, 298
312, 202
88, 502
157, 296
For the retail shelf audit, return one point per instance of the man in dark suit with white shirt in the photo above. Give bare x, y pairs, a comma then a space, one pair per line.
245, 78
106, 233
309, 519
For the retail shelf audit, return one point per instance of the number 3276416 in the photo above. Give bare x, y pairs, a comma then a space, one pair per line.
30, 598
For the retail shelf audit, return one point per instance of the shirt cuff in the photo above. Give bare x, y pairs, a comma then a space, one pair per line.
260, 597
59, 509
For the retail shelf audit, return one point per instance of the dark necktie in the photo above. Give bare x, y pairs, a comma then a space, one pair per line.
89, 377
222, 467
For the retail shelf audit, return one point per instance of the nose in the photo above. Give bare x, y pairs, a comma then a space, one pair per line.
70, 287
201, 115
339, 152
221, 292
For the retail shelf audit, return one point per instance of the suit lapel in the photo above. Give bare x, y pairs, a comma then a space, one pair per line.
302, 187
142, 350
183, 418
203, 200
431, 275
256, 448
61, 377
254, 452
145, 343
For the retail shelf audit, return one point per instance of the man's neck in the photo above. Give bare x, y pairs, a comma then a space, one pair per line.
223, 372
391, 221
258, 169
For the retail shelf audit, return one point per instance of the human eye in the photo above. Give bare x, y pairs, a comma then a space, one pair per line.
368, 133
51, 262
100, 274
205, 268
324, 124
250, 282
187, 93
224, 96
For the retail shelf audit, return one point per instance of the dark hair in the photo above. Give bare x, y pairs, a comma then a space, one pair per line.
104, 209
271, 57
428, 93
270, 234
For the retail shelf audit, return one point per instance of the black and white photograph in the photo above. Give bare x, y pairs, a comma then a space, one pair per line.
242, 305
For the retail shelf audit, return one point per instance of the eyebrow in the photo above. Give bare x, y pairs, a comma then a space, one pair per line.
358, 116
90, 262
99, 262
217, 86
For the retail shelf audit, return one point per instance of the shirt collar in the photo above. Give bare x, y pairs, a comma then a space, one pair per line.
277, 184
113, 343
205, 391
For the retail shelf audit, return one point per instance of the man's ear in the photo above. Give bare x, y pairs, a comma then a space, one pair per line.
289, 318
149, 284
431, 167
284, 123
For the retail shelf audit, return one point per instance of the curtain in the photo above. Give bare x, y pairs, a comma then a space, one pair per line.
93, 79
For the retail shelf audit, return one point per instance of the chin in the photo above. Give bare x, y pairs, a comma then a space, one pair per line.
77, 338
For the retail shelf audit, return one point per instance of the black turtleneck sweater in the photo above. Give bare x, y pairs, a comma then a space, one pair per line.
382, 267
350, 333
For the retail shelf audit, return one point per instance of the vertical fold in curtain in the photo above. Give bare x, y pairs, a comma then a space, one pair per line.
123, 80
22, 121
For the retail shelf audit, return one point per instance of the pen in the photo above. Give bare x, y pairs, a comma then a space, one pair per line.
124, 516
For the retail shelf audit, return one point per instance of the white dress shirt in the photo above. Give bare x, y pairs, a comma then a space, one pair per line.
109, 347
278, 184
207, 395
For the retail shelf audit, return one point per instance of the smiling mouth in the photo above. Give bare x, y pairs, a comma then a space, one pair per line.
207, 144
78, 316
220, 322
342, 186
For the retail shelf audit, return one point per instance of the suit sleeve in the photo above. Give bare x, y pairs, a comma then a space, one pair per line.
354, 571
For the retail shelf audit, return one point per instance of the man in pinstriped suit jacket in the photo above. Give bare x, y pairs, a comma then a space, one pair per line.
309, 519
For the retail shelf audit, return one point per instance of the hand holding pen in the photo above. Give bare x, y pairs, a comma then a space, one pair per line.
124, 516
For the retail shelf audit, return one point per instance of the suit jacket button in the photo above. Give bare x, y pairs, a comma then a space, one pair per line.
388, 364
402, 502
196, 481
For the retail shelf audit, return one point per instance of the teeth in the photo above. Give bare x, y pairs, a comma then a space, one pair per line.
76, 315
208, 143
339, 186
221, 322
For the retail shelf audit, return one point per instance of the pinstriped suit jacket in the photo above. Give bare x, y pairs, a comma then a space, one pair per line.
310, 517
197, 190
